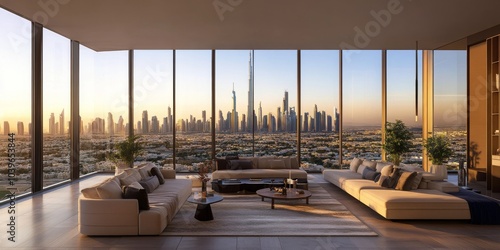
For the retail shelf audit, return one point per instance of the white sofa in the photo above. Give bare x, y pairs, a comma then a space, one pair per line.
259, 167
103, 211
428, 199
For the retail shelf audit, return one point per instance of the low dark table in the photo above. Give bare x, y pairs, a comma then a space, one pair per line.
251, 185
292, 194
203, 210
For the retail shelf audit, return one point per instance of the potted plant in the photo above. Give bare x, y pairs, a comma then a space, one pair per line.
397, 140
126, 152
438, 149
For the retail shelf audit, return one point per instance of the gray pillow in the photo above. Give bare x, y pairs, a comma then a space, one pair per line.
150, 184
156, 172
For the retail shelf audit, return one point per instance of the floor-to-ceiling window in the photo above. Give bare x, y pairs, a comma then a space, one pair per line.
103, 106
401, 74
276, 94
450, 101
320, 113
193, 103
15, 103
153, 105
56, 107
234, 103
362, 107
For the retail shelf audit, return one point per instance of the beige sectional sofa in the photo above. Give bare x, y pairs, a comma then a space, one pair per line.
102, 210
427, 198
258, 167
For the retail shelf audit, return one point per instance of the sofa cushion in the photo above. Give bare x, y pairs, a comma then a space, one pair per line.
264, 161
277, 164
128, 180
134, 172
156, 172
91, 192
355, 164
380, 165
370, 164
140, 194
240, 164
405, 181
387, 170
294, 163
109, 190
394, 178
384, 181
150, 184
136, 185
287, 161
370, 174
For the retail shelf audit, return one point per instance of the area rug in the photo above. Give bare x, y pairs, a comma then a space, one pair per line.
248, 215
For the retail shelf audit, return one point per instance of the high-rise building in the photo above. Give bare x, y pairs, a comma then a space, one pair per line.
259, 126
170, 119
250, 108
20, 128
111, 124
120, 128
61, 123
204, 121
323, 120
243, 123
316, 118
145, 122
52, 124
155, 125
234, 114
329, 123
336, 120
278, 122
6, 128
305, 127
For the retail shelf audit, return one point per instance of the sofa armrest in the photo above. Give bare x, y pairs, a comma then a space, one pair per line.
168, 173
108, 216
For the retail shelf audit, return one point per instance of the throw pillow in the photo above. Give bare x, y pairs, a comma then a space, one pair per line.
417, 180
387, 170
383, 181
381, 165
361, 168
91, 192
150, 184
136, 185
394, 178
140, 194
135, 173
294, 163
370, 174
128, 180
156, 172
109, 190
221, 164
405, 181
355, 164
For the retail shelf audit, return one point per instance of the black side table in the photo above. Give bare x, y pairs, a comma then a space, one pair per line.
203, 210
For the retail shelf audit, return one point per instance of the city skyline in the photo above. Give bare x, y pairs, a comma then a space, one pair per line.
104, 81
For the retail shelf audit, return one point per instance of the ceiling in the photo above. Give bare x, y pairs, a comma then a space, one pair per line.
105, 25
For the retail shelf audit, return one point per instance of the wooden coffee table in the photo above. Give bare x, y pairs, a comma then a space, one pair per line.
291, 195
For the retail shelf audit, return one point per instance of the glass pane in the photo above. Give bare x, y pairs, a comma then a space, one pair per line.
234, 103
401, 97
15, 114
276, 95
153, 103
56, 108
193, 104
103, 102
320, 114
362, 108
450, 101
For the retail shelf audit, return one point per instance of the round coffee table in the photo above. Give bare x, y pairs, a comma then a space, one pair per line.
203, 210
292, 194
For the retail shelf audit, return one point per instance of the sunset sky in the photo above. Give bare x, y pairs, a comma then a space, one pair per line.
104, 79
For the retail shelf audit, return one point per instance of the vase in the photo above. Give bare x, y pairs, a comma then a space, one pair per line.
203, 189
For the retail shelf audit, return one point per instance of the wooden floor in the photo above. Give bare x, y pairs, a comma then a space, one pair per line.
49, 221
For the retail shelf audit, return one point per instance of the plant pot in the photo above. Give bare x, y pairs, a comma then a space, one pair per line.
440, 171
120, 167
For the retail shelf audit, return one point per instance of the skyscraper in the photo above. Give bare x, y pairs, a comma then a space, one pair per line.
6, 128
20, 128
260, 116
336, 121
250, 108
155, 125
234, 114
52, 124
111, 124
61, 123
316, 119
204, 120
306, 122
145, 122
